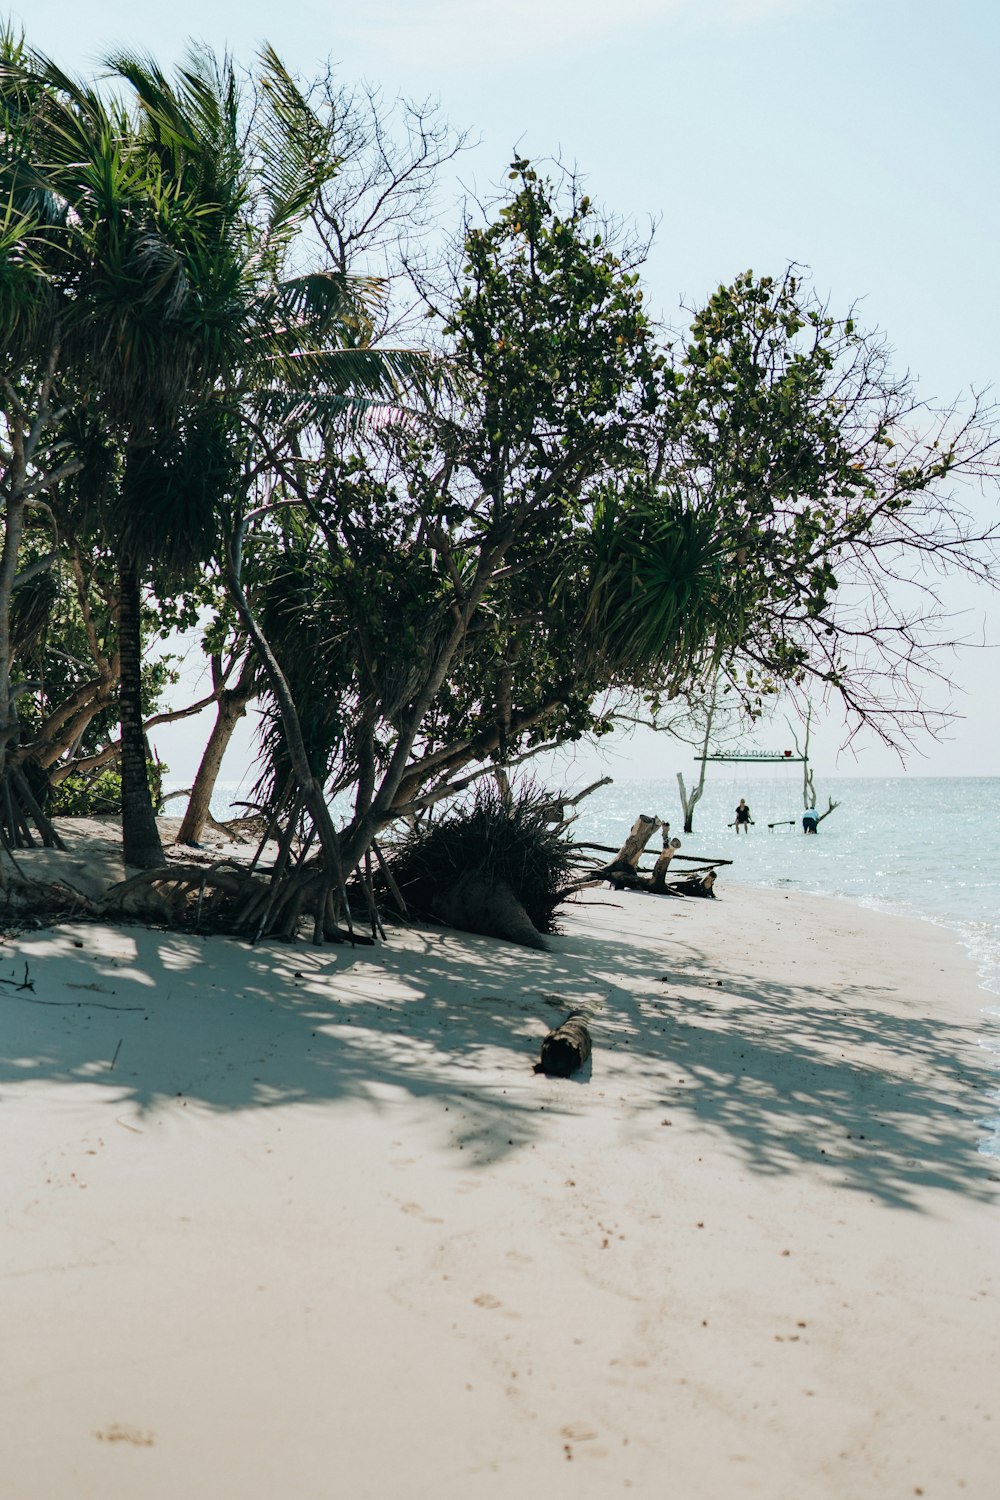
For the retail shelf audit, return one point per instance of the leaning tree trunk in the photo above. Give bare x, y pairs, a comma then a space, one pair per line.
832, 807
232, 706
140, 835
330, 892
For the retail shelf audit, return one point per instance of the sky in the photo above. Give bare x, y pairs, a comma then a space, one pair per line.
856, 137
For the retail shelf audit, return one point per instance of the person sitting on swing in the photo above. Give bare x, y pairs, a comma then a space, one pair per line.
743, 818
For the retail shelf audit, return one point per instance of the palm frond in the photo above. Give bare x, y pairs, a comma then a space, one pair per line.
365, 373
327, 301
193, 124
296, 147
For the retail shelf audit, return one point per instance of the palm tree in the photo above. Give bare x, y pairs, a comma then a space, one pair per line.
188, 327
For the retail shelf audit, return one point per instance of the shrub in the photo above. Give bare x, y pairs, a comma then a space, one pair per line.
511, 844
87, 794
97, 793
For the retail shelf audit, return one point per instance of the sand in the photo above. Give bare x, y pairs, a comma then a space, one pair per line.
298, 1222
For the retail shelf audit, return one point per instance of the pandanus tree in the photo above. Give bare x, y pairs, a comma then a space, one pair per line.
188, 328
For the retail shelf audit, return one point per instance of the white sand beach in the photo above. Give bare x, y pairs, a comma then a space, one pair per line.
304, 1223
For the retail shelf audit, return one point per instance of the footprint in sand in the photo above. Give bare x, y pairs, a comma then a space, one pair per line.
119, 1433
487, 1299
417, 1211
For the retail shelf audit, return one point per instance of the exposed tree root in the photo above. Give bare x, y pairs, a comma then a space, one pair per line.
43, 900
227, 897
22, 821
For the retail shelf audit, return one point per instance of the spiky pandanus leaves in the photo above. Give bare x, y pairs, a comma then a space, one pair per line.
145, 265
30, 615
165, 511
642, 592
27, 310
665, 597
510, 843
30, 217
184, 227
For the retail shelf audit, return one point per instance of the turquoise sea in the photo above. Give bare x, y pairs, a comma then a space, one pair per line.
926, 847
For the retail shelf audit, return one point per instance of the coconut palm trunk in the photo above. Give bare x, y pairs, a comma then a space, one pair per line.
140, 836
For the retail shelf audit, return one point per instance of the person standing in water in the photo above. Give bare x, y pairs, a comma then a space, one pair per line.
743, 818
810, 820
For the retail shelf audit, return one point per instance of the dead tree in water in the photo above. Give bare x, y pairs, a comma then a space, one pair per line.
689, 799
808, 780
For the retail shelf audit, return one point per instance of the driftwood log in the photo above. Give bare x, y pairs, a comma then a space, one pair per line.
695, 885
694, 859
622, 873
565, 1050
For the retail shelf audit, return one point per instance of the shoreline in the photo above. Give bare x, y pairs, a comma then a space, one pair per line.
315, 1227
987, 971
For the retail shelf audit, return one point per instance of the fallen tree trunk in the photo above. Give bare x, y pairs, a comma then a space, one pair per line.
695, 885
623, 872
690, 885
565, 1050
689, 858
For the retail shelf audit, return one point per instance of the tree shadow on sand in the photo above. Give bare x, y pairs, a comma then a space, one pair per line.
785, 1076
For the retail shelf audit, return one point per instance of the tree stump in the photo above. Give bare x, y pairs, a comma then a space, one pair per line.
642, 831
659, 875
625, 861
565, 1050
